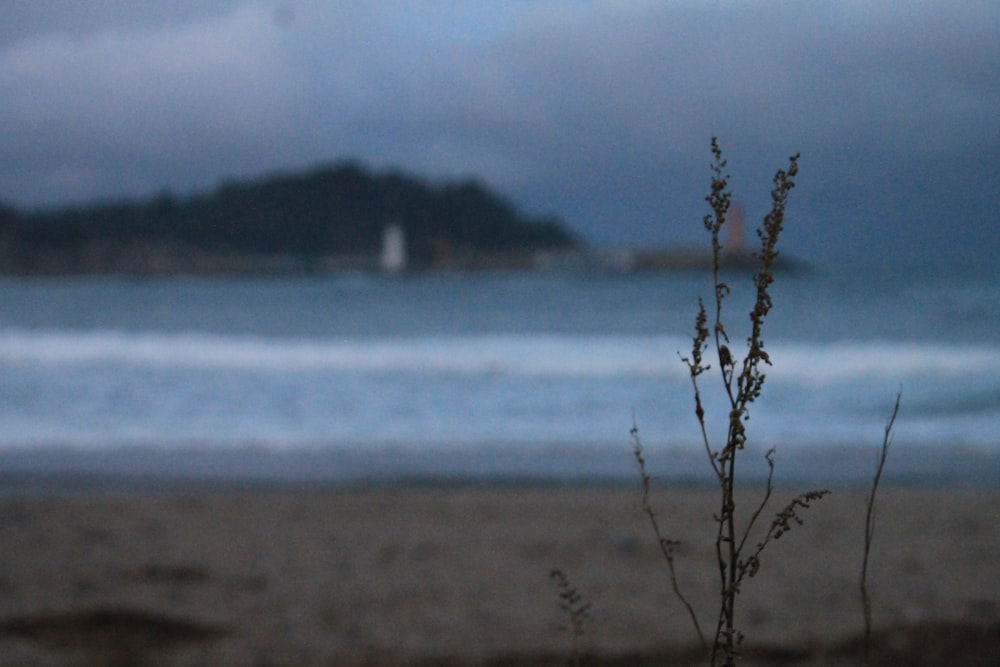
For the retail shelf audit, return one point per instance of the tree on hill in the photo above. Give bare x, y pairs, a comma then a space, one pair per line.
335, 210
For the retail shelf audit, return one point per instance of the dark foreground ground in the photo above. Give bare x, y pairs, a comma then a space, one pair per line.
460, 576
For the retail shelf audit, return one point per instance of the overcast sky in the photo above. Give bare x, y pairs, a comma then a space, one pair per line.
599, 112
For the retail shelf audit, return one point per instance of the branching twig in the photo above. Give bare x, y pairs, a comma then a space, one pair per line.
782, 524
763, 502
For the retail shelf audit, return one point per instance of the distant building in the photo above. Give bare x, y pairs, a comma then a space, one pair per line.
393, 258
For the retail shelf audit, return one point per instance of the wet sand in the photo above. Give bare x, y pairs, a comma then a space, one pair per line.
451, 574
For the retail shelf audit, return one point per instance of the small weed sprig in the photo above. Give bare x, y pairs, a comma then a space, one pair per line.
577, 611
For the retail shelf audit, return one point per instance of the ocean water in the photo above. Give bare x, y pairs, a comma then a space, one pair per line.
355, 377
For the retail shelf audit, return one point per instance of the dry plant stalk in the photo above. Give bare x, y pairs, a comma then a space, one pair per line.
866, 603
742, 381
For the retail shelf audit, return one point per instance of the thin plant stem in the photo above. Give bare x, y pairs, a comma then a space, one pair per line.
666, 544
866, 603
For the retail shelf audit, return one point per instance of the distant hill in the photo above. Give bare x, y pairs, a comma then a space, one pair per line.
328, 217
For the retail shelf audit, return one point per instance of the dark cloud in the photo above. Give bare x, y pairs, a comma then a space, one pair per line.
597, 111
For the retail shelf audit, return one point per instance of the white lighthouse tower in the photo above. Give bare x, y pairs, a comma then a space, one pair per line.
393, 249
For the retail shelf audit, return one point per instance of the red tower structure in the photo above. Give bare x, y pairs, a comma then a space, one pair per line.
734, 232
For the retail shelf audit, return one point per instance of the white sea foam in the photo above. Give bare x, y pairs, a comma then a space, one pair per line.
514, 355
491, 374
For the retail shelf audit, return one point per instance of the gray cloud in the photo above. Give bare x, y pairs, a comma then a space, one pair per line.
597, 111
26, 21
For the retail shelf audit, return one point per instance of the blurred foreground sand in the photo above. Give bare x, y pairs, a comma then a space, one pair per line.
460, 575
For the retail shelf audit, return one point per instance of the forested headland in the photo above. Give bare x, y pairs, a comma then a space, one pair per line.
326, 218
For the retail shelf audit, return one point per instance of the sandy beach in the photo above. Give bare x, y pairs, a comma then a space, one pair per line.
460, 575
